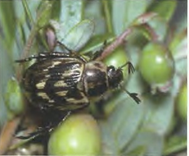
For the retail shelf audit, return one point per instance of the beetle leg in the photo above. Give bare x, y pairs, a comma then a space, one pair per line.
132, 95
43, 56
38, 57
71, 52
44, 130
32, 135
131, 69
64, 47
27, 59
65, 117
39, 132
99, 52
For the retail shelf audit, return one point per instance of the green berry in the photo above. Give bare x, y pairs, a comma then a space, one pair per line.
13, 98
117, 59
182, 103
78, 135
156, 64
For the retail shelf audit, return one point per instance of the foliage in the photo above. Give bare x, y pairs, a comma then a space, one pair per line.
128, 129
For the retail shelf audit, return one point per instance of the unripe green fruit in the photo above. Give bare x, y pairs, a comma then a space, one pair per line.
156, 64
13, 98
117, 59
78, 135
182, 103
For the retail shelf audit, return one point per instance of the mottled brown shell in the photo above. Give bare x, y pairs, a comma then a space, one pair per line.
95, 79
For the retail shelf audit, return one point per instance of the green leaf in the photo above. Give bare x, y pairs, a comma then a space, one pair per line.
44, 13
94, 12
3, 111
175, 144
14, 98
164, 8
124, 12
158, 112
96, 42
6, 68
138, 151
159, 25
7, 23
180, 67
71, 13
136, 84
178, 44
180, 20
151, 142
78, 36
121, 125
27, 10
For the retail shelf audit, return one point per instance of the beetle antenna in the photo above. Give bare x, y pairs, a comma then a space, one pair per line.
132, 95
131, 69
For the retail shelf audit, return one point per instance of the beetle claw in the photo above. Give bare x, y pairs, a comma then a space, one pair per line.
131, 69
134, 97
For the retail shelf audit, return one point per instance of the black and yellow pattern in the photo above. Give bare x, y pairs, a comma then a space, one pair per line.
68, 82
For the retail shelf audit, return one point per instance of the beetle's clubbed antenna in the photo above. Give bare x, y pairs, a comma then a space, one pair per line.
132, 95
131, 69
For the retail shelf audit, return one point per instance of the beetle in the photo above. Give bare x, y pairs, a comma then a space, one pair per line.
69, 81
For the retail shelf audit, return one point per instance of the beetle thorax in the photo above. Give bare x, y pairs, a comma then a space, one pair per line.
95, 79
98, 78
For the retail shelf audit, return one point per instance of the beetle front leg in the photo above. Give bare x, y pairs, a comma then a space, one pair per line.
134, 96
131, 69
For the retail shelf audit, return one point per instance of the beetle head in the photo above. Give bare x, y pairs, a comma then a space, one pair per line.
115, 76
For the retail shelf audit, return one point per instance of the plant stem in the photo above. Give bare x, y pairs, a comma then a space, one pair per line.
118, 41
107, 16
26, 51
28, 13
7, 134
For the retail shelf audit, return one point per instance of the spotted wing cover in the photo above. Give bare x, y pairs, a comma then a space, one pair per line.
53, 82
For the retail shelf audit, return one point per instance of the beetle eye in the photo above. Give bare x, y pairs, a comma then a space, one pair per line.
111, 69
114, 76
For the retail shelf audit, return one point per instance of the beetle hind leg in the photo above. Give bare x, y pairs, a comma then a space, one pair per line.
40, 56
26, 59
131, 68
41, 131
64, 47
